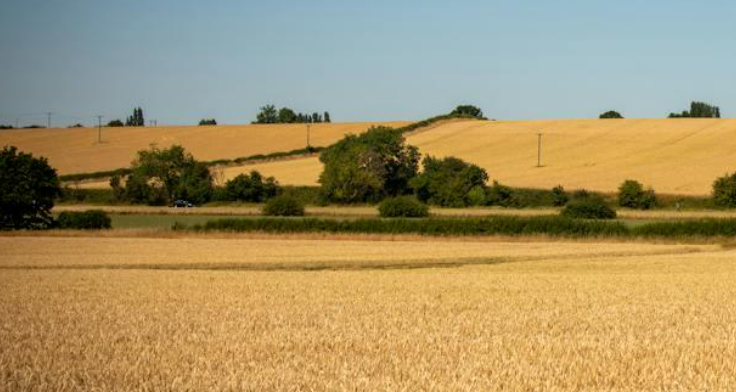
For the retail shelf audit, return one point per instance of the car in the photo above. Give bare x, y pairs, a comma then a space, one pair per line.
182, 204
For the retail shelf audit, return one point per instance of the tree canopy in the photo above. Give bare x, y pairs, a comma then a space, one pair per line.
28, 187
448, 182
611, 114
699, 110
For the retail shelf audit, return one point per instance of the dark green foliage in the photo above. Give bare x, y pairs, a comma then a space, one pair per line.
207, 121
631, 194
693, 228
724, 191
559, 196
76, 126
507, 225
28, 187
611, 114
86, 220
3, 126
499, 195
74, 195
283, 206
115, 124
270, 115
327, 117
368, 167
403, 207
699, 110
158, 177
287, 116
251, 188
468, 111
447, 182
591, 207
34, 127
267, 115
136, 120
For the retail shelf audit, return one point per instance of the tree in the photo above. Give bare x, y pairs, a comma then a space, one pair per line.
115, 124
268, 115
327, 117
316, 118
252, 188
611, 114
447, 182
631, 194
207, 121
724, 191
28, 187
468, 111
287, 116
162, 176
368, 167
559, 196
699, 110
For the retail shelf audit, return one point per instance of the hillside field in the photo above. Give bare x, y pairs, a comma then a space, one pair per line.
674, 156
284, 314
75, 150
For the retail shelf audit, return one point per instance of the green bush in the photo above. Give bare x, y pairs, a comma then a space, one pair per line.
85, 220
447, 182
403, 207
591, 207
499, 195
631, 194
724, 191
611, 114
283, 206
559, 196
251, 188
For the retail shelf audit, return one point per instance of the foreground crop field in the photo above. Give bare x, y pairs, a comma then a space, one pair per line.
278, 314
76, 150
676, 156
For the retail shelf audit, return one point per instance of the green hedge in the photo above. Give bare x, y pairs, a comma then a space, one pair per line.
86, 220
403, 207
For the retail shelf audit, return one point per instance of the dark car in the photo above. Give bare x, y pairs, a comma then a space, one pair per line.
182, 204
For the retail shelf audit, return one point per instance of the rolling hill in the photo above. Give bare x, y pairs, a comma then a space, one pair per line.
675, 156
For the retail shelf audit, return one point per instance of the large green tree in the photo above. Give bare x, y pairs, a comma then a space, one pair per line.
368, 167
28, 187
448, 182
268, 115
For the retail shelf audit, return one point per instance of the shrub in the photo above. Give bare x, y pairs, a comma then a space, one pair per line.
283, 206
28, 187
115, 124
591, 207
447, 182
724, 191
477, 196
631, 194
500, 195
468, 111
207, 121
86, 220
559, 196
699, 110
403, 207
611, 114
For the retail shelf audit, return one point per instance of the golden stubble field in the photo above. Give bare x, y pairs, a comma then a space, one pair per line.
675, 156
75, 150
158, 314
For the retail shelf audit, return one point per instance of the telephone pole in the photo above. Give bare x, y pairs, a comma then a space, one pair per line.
539, 150
49, 119
308, 134
17, 123
99, 129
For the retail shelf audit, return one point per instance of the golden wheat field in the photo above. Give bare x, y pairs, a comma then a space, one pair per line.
676, 156
75, 150
143, 314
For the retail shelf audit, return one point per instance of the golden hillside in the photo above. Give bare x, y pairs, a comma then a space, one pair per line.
77, 151
677, 156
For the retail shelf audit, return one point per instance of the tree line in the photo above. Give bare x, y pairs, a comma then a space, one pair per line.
270, 115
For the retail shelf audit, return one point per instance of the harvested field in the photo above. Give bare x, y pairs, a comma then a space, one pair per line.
675, 156
545, 316
76, 150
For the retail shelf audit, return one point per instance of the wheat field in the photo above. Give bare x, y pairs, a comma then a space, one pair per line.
75, 150
109, 315
675, 156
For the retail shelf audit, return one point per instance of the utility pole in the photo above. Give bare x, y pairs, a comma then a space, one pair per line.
99, 129
309, 126
17, 123
539, 150
49, 119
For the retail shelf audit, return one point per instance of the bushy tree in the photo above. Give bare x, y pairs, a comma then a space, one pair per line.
28, 187
499, 195
611, 114
115, 124
268, 115
447, 182
327, 117
724, 191
136, 120
368, 167
403, 207
631, 194
559, 196
468, 110
287, 116
590, 207
207, 121
699, 110
252, 188
161, 176
283, 206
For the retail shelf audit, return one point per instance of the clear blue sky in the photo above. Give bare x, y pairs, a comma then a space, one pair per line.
363, 60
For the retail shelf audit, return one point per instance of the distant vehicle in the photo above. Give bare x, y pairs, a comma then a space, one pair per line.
182, 204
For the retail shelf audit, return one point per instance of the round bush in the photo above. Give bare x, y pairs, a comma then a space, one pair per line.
724, 191
588, 208
403, 207
632, 194
85, 220
283, 206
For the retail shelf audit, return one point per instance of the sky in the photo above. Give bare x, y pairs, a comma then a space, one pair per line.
377, 60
